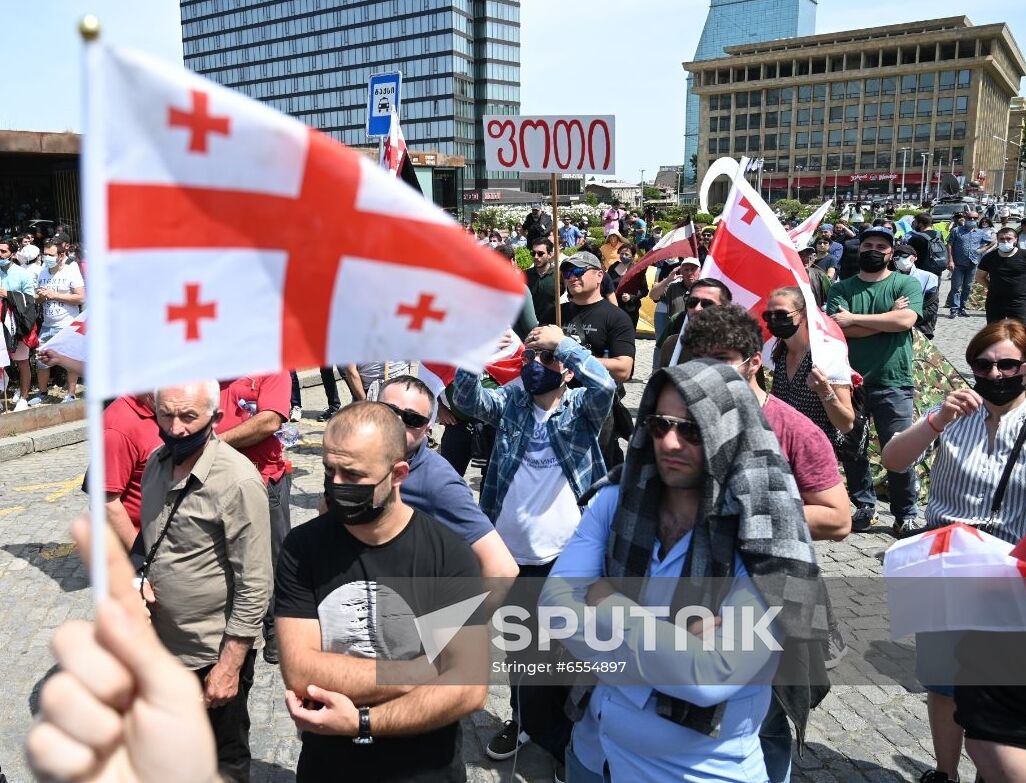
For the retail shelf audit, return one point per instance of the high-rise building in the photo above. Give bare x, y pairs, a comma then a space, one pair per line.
460, 59
734, 23
866, 112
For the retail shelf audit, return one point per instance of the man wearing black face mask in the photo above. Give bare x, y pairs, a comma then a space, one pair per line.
205, 535
361, 685
545, 458
877, 309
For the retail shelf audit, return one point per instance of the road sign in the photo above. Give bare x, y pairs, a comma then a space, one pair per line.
383, 96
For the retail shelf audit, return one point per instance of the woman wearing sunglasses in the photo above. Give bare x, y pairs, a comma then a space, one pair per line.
629, 302
796, 380
976, 432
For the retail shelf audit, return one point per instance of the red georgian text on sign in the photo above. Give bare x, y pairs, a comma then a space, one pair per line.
550, 144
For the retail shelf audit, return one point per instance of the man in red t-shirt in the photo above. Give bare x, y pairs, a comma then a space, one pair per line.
254, 408
130, 435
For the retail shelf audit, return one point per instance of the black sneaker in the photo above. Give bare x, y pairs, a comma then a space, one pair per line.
559, 772
906, 528
935, 776
328, 412
963, 314
508, 741
835, 648
863, 519
952, 314
271, 651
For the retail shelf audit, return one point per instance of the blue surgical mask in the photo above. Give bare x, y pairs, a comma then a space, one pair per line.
51, 261
5, 262
970, 224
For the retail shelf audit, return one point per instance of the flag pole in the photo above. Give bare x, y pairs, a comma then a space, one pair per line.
97, 345
555, 244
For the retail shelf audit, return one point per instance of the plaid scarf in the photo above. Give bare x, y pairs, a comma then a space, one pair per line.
750, 506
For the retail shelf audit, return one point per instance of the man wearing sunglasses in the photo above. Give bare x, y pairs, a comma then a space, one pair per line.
607, 331
541, 281
545, 458
705, 293
432, 485
682, 508
731, 335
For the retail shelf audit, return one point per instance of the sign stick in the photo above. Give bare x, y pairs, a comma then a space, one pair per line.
94, 209
555, 244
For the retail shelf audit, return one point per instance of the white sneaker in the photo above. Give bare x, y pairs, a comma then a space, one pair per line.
68, 398
37, 400
16, 397
21, 405
296, 414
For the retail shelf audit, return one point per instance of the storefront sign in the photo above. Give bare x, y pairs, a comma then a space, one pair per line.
872, 177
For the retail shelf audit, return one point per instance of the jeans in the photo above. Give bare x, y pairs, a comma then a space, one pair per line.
576, 772
296, 400
891, 410
661, 319
962, 278
775, 737
230, 725
278, 493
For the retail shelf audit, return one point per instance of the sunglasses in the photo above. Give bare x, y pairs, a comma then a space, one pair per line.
1005, 366
539, 253
409, 418
659, 427
694, 301
546, 357
575, 271
778, 315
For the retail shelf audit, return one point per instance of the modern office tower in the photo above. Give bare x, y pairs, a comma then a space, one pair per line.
735, 23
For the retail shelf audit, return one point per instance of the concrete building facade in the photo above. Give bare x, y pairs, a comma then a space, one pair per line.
864, 111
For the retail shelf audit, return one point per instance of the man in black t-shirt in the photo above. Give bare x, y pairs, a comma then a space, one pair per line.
607, 332
350, 586
1003, 271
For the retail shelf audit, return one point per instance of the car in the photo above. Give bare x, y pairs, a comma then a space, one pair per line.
384, 105
946, 210
1015, 210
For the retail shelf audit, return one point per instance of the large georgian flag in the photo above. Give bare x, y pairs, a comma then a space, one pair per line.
806, 230
752, 254
234, 240
681, 242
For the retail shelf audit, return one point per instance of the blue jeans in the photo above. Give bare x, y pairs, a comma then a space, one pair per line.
891, 410
962, 278
576, 772
775, 738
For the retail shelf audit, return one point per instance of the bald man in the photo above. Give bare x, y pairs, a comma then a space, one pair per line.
348, 587
206, 537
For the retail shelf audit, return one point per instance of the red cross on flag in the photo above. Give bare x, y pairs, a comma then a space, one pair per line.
752, 254
70, 341
228, 239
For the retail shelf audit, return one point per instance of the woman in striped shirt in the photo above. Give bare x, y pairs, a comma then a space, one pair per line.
975, 431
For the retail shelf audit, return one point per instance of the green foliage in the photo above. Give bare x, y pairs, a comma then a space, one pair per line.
716, 209
665, 225
788, 206
703, 218
523, 258
673, 215
596, 234
591, 199
650, 193
903, 211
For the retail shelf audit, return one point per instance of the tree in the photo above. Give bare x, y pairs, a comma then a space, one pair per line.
591, 199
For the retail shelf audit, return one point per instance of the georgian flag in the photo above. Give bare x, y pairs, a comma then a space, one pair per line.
71, 340
228, 239
804, 231
682, 242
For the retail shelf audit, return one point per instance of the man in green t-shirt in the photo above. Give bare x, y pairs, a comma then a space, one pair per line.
878, 309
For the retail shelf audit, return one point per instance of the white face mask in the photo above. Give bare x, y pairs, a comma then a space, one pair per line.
1006, 247
903, 264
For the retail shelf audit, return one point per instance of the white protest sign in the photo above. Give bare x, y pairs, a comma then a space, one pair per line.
550, 144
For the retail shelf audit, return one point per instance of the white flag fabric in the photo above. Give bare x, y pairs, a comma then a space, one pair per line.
954, 578
71, 340
803, 232
228, 239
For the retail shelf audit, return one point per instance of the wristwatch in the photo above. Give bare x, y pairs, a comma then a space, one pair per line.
364, 737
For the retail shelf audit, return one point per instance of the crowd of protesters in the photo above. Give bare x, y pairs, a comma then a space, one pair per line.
733, 466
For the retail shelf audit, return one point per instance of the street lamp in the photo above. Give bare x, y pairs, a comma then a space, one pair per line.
922, 183
798, 181
904, 155
836, 171
1004, 160
642, 206
940, 172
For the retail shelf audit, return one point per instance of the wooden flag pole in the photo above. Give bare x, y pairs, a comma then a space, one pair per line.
555, 245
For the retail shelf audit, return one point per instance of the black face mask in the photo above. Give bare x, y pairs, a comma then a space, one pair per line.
184, 447
782, 328
353, 504
999, 391
871, 261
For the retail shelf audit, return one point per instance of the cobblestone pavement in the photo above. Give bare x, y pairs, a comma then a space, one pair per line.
866, 732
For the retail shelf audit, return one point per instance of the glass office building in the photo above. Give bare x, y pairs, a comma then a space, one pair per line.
735, 23
460, 59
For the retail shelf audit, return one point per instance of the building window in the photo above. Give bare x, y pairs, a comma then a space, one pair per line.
848, 161
908, 83
836, 113
805, 93
887, 110
771, 119
724, 145
850, 137
817, 115
926, 81
837, 91
804, 117
740, 144
755, 99
887, 85
815, 162
924, 107
834, 138
907, 109
904, 133
816, 138
945, 106
770, 142
714, 103
851, 113
786, 94
754, 121
740, 122
741, 100
714, 125
872, 87
869, 111
923, 132
819, 92
854, 89
712, 146
885, 135
869, 134
883, 160
773, 96
753, 143
867, 160
833, 162
962, 104
964, 78
801, 140
946, 80
801, 163
958, 131
785, 119
943, 131
783, 141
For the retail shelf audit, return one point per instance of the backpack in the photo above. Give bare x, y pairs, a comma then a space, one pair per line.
938, 260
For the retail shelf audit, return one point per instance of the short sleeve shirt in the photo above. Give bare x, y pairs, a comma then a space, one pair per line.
804, 446
130, 435
602, 328
884, 358
269, 393
1006, 294
966, 243
365, 599
60, 314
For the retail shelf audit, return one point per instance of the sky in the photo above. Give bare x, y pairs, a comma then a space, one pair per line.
577, 57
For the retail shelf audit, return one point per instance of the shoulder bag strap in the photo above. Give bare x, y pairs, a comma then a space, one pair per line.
999, 493
152, 554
